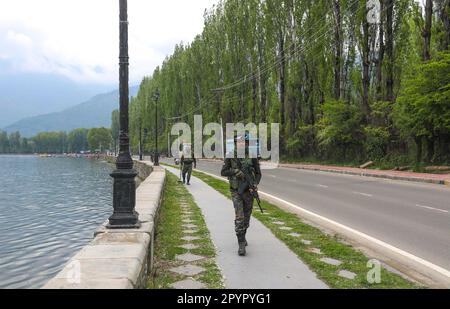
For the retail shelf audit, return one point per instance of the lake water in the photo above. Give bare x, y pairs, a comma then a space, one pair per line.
49, 210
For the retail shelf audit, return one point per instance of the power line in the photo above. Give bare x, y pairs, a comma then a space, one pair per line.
244, 80
318, 39
277, 62
315, 37
303, 49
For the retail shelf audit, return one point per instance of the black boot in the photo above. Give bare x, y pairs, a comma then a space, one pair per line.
242, 251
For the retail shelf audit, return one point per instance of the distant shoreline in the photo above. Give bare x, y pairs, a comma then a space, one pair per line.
45, 155
18, 155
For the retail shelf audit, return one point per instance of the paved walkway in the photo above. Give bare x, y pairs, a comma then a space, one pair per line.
269, 263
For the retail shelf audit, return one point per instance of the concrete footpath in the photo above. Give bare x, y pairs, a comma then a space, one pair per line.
269, 263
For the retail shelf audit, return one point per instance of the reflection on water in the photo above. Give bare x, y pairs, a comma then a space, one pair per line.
49, 209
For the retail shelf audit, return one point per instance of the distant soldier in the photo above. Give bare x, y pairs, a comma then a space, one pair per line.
238, 170
152, 157
186, 166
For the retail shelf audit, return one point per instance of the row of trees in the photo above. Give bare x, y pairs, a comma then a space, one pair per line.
346, 81
76, 141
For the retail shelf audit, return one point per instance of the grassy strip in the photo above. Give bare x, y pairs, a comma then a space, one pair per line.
352, 260
168, 240
384, 164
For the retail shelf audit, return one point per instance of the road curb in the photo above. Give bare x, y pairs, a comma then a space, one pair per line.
380, 176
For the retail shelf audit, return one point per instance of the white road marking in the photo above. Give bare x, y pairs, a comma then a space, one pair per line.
432, 208
322, 186
363, 194
376, 241
381, 243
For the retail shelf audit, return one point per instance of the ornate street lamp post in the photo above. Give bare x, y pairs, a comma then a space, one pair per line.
156, 98
124, 189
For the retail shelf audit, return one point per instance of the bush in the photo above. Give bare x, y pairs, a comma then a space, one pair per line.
302, 142
340, 131
376, 143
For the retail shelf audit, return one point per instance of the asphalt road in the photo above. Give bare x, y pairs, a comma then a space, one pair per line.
411, 216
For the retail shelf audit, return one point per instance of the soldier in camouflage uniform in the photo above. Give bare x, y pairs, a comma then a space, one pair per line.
243, 204
186, 165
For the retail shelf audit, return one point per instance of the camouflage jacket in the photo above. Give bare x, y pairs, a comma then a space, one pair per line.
231, 168
188, 161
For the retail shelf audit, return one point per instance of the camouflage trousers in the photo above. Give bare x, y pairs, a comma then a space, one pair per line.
243, 206
187, 171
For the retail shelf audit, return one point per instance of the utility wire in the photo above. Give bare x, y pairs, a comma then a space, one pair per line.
269, 67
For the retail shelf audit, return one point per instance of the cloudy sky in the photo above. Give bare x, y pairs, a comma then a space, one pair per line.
79, 38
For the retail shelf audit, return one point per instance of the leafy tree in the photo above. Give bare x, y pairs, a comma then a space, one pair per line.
26, 146
14, 142
50, 142
423, 109
77, 140
340, 128
4, 142
115, 128
99, 139
319, 68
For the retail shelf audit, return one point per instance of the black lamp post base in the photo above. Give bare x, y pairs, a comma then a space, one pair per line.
124, 221
124, 201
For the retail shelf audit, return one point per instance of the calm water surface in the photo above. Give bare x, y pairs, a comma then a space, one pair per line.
49, 209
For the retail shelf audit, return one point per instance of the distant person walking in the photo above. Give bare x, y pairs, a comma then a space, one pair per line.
186, 166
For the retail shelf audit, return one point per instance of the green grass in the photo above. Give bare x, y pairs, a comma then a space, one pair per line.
386, 164
290, 160
168, 240
352, 260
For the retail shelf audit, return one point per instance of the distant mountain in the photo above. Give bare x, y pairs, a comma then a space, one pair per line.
30, 94
91, 114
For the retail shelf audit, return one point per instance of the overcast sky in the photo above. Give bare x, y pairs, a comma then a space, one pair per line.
79, 38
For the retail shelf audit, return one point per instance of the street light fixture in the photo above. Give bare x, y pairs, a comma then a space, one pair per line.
156, 97
124, 188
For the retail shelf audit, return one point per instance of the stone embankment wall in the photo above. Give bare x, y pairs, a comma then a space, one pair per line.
119, 259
